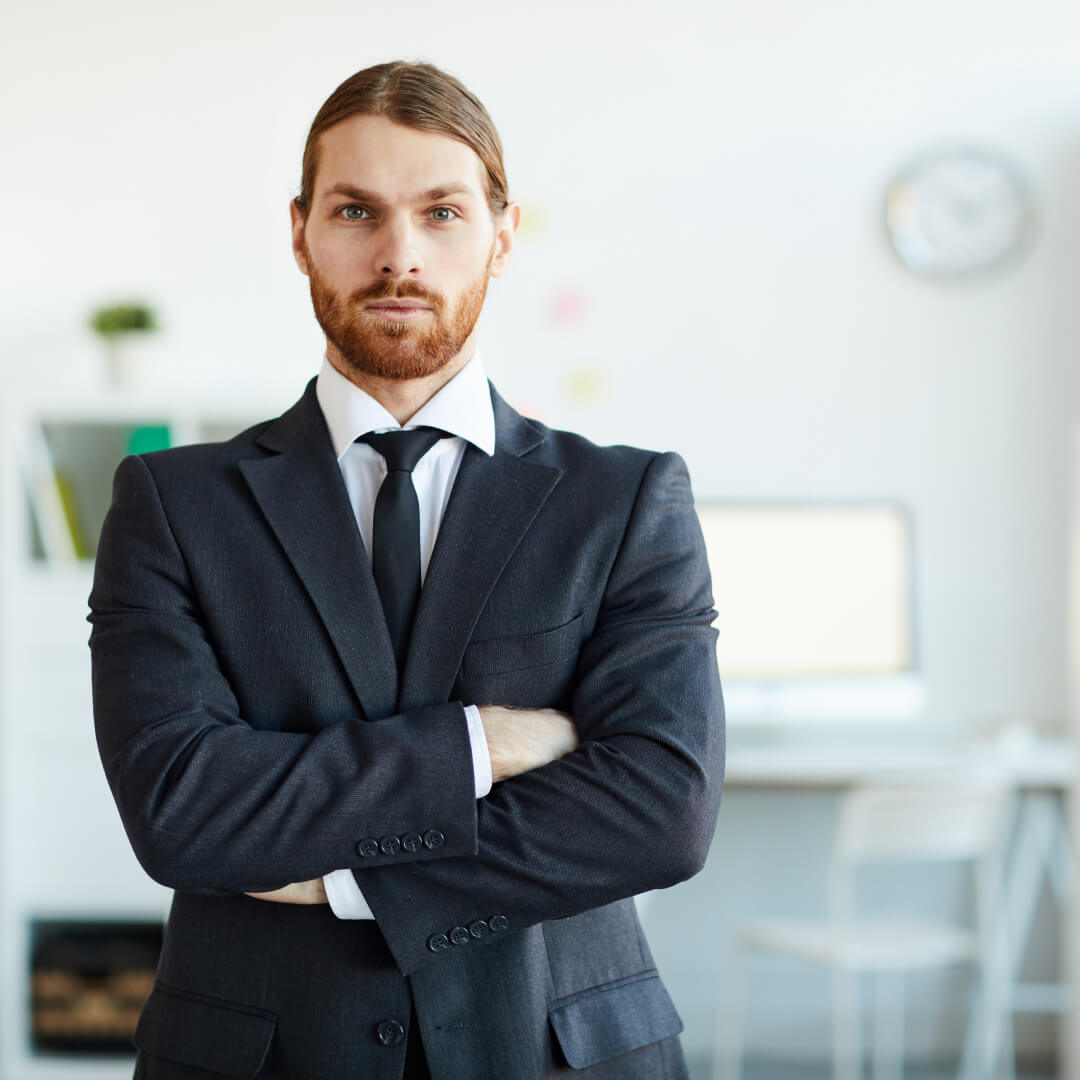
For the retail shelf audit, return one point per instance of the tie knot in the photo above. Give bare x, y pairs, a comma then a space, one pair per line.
401, 450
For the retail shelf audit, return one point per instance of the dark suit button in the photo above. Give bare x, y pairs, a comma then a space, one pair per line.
390, 1033
389, 845
478, 929
433, 839
459, 935
412, 842
367, 848
438, 942
498, 923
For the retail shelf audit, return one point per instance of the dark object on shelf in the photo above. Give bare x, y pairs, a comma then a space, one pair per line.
88, 983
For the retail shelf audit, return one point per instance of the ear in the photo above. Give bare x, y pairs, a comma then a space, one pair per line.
298, 224
506, 226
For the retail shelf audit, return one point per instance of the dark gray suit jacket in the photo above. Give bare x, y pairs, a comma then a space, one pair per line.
255, 732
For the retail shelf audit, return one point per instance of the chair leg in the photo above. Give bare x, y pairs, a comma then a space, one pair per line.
1007, 1070
888, 1026
989, 1052
727, 1061
974, 1058
847, 1044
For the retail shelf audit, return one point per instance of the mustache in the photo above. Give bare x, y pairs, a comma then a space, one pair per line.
397, 290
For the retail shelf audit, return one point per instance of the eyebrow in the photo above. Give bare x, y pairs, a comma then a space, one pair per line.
439, 191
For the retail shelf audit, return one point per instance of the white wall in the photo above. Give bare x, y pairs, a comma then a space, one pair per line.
708, 176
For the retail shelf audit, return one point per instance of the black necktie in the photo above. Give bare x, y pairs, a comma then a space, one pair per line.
395, 556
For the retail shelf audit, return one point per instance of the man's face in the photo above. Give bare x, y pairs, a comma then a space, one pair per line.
398, 245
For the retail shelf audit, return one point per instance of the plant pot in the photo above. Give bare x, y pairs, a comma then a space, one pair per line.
129, 359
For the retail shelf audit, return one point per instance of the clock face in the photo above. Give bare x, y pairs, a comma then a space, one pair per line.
957, 212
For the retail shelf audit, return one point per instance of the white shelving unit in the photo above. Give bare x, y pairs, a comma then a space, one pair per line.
1070, 1032
63, 853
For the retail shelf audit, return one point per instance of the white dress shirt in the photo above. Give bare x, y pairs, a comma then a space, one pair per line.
463, 409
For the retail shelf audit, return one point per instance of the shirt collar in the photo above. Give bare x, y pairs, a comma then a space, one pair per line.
462, 408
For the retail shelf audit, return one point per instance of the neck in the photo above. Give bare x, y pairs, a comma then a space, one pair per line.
403, 398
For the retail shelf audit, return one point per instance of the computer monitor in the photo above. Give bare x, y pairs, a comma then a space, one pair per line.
815, 606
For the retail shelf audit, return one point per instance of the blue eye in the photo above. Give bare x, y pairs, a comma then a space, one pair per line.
352, 213
440, 210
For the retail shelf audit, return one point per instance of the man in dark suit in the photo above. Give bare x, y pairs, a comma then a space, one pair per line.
478, 776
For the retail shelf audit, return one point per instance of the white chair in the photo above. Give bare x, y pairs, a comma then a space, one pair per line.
895, 821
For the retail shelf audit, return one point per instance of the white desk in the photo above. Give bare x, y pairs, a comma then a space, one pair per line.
1043, 770
1039, 764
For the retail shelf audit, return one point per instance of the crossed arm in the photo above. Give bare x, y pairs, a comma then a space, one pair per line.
518, 740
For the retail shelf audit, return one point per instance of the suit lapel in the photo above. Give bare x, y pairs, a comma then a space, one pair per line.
301, 492
493, 502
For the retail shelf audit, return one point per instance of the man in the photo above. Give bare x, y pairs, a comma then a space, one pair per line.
479, 777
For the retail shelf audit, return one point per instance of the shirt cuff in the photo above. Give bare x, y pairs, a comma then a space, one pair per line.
481, 757
346, 899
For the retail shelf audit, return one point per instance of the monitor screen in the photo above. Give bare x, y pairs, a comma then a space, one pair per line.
811, 591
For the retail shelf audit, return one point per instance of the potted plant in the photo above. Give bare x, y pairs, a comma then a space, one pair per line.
125, 329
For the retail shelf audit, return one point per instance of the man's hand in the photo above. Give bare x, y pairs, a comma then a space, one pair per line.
299, 892
523, 739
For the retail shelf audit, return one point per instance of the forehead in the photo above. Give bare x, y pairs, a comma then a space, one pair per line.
374, 153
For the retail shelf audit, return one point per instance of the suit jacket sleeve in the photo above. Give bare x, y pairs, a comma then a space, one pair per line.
209, 802
634, 807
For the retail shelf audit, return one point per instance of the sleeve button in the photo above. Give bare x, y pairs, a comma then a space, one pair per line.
366, 848
433, 839
459, 935
389, 845
412, 842
478, 929
498, 923
438, 942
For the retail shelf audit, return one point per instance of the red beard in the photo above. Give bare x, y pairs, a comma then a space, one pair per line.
395, 350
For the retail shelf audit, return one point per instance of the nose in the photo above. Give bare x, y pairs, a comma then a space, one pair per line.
397, 253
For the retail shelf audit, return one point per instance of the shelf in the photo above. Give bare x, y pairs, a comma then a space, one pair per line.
63, 852
67, 460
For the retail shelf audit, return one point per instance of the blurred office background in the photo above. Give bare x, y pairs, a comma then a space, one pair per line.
704, 265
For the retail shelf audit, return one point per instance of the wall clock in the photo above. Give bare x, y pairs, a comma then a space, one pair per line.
959, 211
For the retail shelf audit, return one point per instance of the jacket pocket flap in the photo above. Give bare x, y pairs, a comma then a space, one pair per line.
496, 656
609, 1020
222, 1037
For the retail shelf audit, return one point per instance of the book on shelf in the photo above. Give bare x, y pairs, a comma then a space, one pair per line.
147, 438
62, 481
51, 495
